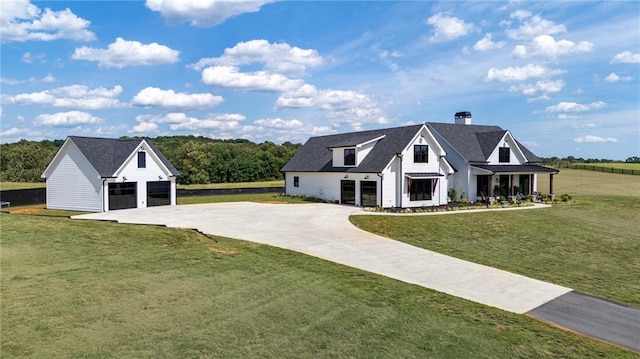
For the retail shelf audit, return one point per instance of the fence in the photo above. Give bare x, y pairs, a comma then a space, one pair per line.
34, 196
625, 171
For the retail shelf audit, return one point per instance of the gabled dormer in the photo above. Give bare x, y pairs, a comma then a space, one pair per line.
352, 152
507, 152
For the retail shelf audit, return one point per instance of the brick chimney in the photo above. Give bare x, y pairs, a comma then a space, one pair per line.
463, 118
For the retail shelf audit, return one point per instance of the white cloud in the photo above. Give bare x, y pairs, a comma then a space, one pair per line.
486, 44
29, 58
124, 53
153, 96
519, 73
448, 27
74, 96
180, 117
546, 45
204, 13
626, 57
533, 26
564, 116
230, 77
520, 14
279, 123
22, 21
575, 107
342, 106
66, 119
223, 122
277, 57
540, 87
595, 139
145, 127
613, 77
12, 131
8, 81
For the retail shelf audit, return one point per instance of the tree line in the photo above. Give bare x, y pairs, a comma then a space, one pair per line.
200, 160
558, 162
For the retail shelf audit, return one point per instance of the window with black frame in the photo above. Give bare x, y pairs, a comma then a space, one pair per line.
142, 160
504, 155
420, 189
420, 154
350, 157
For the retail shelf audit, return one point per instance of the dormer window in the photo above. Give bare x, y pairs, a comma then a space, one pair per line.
504, 155
142, 159
350, 157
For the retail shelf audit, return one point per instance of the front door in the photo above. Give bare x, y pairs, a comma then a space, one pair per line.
504, 185
525, 184
482, 186
368, 193
348, 192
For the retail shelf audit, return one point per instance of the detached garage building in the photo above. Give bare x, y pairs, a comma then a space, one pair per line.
102, 174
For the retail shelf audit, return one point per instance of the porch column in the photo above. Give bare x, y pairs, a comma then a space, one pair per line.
531, 177
511, 185
490, 185
551, 183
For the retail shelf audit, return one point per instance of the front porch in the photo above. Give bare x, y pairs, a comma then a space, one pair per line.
510, 180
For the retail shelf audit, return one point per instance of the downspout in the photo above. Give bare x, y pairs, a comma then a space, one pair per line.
103, 204
401, 182
381, 189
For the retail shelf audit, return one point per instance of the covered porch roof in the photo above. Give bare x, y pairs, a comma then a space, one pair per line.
419, 175
528, 168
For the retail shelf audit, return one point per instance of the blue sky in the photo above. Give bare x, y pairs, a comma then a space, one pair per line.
563, 77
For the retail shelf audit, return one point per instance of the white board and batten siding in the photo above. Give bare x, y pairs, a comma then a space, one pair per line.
327, 185
153, 171
74, 185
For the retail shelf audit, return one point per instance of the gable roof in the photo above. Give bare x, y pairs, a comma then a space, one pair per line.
316, 156
475, 142
107, 155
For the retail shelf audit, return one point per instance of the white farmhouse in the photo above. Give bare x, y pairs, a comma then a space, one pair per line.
102, 174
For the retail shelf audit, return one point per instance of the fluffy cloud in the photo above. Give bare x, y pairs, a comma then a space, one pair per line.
124, 53
22, 21
231, 77
575, 107
145, 127
595, 139
486, 44
223, 122
350, 107
153, 96
540, 87
74, 96
29, 58
519, 73
66, 119
448, 27
613, 77
279, 123
8, 81
533, 26
204, 13
626, 57
278, 57
180, 117
546, 45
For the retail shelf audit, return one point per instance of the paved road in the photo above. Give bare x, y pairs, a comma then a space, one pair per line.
594, 317
324, 231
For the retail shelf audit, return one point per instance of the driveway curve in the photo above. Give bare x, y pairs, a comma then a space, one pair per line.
324, 231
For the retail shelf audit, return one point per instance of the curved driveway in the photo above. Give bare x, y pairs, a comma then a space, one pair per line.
324, 231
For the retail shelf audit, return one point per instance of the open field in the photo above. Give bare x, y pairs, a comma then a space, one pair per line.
99, 289
21, 185
590, 244
234, 185
626, 166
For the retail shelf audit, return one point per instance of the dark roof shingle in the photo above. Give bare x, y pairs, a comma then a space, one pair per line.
106, 155
316, 156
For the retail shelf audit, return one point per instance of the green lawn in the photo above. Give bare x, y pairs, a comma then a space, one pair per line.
626, 166
591, 244
245, 197
234, 185
87, 289
21, 185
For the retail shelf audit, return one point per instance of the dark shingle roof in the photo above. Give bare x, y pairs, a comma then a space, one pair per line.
517, 168
315, 155
106, 155
475, 142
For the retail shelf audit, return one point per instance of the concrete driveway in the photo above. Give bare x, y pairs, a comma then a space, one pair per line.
324, 231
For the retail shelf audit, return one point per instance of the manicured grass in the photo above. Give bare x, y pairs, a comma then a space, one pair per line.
21, 185
234, 185
590, 244
626, 166
75, 288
